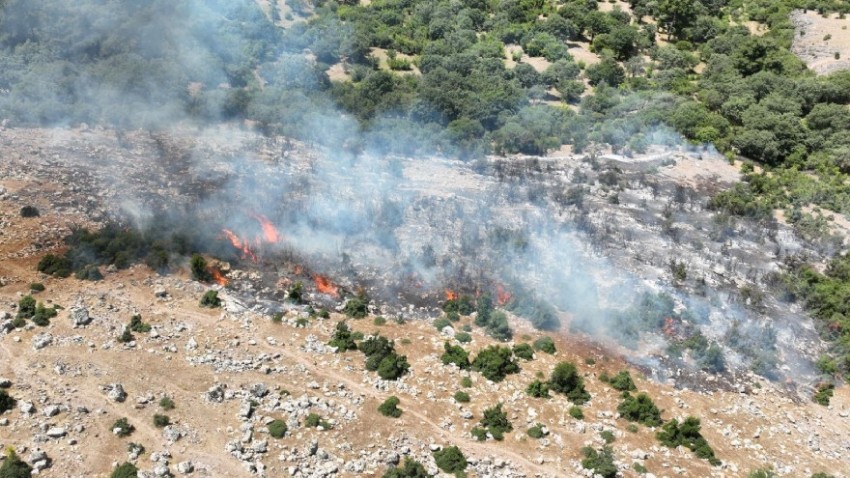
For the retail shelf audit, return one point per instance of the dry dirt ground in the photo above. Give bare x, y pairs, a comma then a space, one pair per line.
193, 350
822, 42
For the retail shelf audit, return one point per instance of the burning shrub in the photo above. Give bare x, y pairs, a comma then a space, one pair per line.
538, 389
495, 363
55, 266
410, 469
640, 409
545, 344
524, 351
390, 407
198, 266
29, 211
211, 299
687, 434
566, 380
450, 460
342, 339
601, 462
455, 354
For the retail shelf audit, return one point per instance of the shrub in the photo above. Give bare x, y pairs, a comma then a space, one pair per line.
577, 413
55, 266
450, 460
342, 338
461, 306
277, 318
357, 307
495, 363
43, 315
313, 421
461, 397
89, 272
210, 300
29, 211
441, 323
37, 287
296, 292
393, 366
463, 337
122, 427
622, 381
545, 344
166, 403
601, 462
126, 336
390, 407
410, 469
161, 421
640, 409
498, 328
524, 351
688, 435
455, 354
823, 394
26, 307
762, 473
136, 325
379, 321
198, 265
278, 429
536, 432
566, 380
324, 313
6, 401
639, 468
14, 467
538, 389
479, 434
608, 436
496, 422
466, 382
125, 470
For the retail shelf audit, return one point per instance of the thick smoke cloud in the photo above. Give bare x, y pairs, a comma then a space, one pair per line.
344, 199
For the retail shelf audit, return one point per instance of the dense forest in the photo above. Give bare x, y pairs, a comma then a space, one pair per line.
462, 78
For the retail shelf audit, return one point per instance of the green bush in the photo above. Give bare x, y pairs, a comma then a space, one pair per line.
122, 427
55, 266
536, 432
410, 469
466, 382
622, 381
278, 429
524, 351
30, 211
296, 293
199, 268
538, 389
601, 462
455, 354
461, 306
463, 337
640, 409
393, 366
342, 338
441, 323
379, 321
496, 422
125, 470
762, 473
577, 413
43, 315
14, 467
161, 421
450, 460
545, 344
823, 394
461, 397
608, 436
166, 403
136, 324
89, 272
126, 337
495, 363
566, 380
313, 420
211, 300
390, 407
357, 307
26, 307
672, 434
6, 401
37, 287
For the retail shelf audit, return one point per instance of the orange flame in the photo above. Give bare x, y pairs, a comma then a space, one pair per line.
270, 232
325, 286
502, 295
451, 295
240, 244
218, 277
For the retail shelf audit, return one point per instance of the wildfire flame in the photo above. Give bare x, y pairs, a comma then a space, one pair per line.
502, 295
451, 295
325, 286
218, 277
240, 244
270, 233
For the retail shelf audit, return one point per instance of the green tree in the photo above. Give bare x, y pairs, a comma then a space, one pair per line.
601, 462
607, 71
495, 363
455, 354
342, 338
450, 460
389, 408
640, 409
676, 15
566, 380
